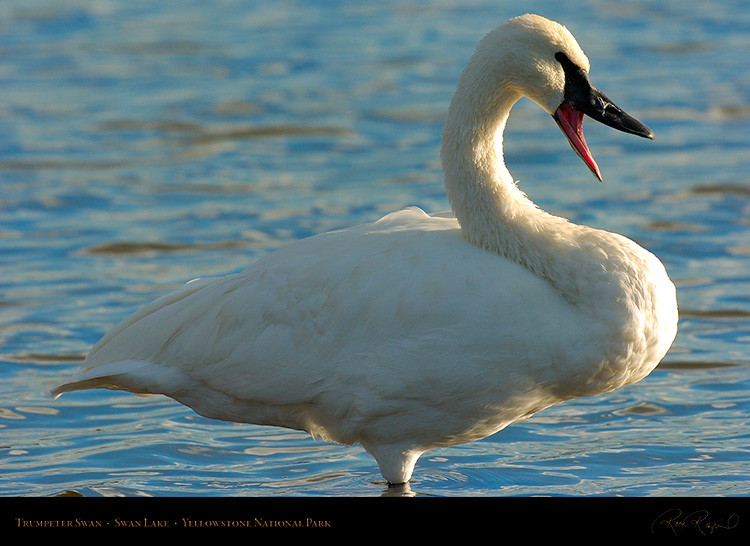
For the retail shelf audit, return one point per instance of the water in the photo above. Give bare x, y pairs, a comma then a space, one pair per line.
143, 144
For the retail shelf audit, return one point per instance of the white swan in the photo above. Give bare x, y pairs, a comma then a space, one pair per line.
418, 332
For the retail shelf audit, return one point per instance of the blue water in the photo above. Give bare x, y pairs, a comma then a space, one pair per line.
143, 144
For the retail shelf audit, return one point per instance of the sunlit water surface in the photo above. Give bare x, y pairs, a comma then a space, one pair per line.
143, 144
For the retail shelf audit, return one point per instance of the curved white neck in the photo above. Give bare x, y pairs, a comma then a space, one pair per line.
493, 213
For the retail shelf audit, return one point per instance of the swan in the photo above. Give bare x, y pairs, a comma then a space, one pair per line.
421, 331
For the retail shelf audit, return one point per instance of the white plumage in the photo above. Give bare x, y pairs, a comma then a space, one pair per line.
421, 331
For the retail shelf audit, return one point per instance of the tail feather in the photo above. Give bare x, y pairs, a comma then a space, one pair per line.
135, 376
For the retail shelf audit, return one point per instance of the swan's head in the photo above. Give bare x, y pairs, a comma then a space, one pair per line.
540, 59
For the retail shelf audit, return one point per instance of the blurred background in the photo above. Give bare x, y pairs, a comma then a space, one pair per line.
143, 144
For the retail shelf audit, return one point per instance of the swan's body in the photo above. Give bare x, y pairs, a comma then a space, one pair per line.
421, 331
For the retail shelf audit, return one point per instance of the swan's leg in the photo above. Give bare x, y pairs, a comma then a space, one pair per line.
396, 462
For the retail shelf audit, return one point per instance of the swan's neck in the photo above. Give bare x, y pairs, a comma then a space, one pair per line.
616, 287
493, 213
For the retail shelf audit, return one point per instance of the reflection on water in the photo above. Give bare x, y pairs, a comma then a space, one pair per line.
143, 145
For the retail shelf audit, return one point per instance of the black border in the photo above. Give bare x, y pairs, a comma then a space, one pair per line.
659, 519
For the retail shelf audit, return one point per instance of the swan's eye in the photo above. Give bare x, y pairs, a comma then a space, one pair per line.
577, 84
570, 68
